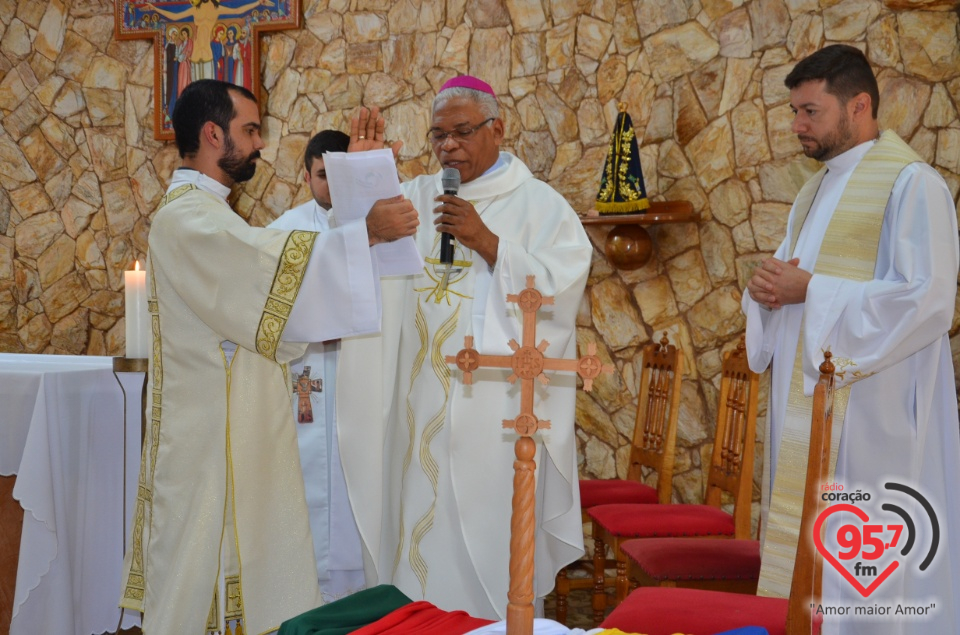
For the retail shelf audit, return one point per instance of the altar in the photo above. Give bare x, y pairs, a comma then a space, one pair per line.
65, 433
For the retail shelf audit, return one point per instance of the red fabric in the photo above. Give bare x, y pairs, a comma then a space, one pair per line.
665, 611
423, 618
606, 492
650, 521
695, 558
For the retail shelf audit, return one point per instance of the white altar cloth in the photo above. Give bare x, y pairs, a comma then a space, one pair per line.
61, 433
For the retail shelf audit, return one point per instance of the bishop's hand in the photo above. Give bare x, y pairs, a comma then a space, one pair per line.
367, 128
390, 219
460, 219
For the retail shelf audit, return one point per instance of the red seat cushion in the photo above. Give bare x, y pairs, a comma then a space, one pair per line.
665, 611
650, 521
695, 558
605, 492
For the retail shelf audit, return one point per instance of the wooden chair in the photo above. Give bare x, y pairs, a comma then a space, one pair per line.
664, 611
653, 444
731, 471
701, 563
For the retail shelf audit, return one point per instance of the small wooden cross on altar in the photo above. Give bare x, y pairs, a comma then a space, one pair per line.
528, 363
303, 386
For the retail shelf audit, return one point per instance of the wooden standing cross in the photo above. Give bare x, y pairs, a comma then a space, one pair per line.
528, 363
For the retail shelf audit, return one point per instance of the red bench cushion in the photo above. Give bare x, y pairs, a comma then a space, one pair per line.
695, 558
665, 611
605, 492
650, 521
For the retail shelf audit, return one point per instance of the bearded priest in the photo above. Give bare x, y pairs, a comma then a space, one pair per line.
220, 481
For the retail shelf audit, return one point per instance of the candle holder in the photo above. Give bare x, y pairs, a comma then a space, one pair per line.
130, 365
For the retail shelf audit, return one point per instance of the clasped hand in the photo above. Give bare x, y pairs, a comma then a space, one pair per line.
776, 283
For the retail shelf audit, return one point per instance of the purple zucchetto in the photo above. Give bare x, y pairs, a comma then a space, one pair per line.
468, 81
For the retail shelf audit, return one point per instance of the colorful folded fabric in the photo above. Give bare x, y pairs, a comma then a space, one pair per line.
423, 618
348, 614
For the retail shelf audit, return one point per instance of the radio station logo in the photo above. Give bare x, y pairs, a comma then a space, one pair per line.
867, 550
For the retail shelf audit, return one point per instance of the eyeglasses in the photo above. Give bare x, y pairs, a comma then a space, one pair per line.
460, 135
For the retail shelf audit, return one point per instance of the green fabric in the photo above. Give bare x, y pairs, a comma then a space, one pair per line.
348, 614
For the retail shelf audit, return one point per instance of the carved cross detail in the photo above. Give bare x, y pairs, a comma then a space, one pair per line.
528, 363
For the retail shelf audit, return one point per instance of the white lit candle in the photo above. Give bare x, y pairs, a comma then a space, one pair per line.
138, 319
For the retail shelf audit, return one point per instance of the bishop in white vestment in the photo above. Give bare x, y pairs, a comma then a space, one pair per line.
429, 467
884, 311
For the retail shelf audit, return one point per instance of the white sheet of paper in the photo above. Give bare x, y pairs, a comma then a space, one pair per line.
357, 180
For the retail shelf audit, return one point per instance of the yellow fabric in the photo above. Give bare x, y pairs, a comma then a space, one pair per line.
849, 250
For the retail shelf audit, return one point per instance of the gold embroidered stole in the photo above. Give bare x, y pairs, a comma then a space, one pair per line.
849, 251
134, 580
291, 268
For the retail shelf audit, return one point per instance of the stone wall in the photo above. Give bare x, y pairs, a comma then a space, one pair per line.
703, 80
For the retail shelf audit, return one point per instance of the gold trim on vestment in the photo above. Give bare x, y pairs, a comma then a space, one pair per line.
417, 562
848, 251
134, 591
420, 322
213, 617
176, 193
427, 461
444, 277
233, 606
842, 364
442, 371
283, 292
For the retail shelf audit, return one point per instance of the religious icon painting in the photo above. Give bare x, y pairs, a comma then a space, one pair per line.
201, 39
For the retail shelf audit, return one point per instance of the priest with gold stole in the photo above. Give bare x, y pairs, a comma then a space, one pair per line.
867, 270
220, 535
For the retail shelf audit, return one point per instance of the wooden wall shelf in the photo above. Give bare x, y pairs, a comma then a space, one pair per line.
629, 245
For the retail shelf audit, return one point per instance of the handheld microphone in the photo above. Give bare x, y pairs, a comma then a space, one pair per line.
450, 178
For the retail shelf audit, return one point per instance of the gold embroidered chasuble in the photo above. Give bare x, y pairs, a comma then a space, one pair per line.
220, 493
427, 464
848, 250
